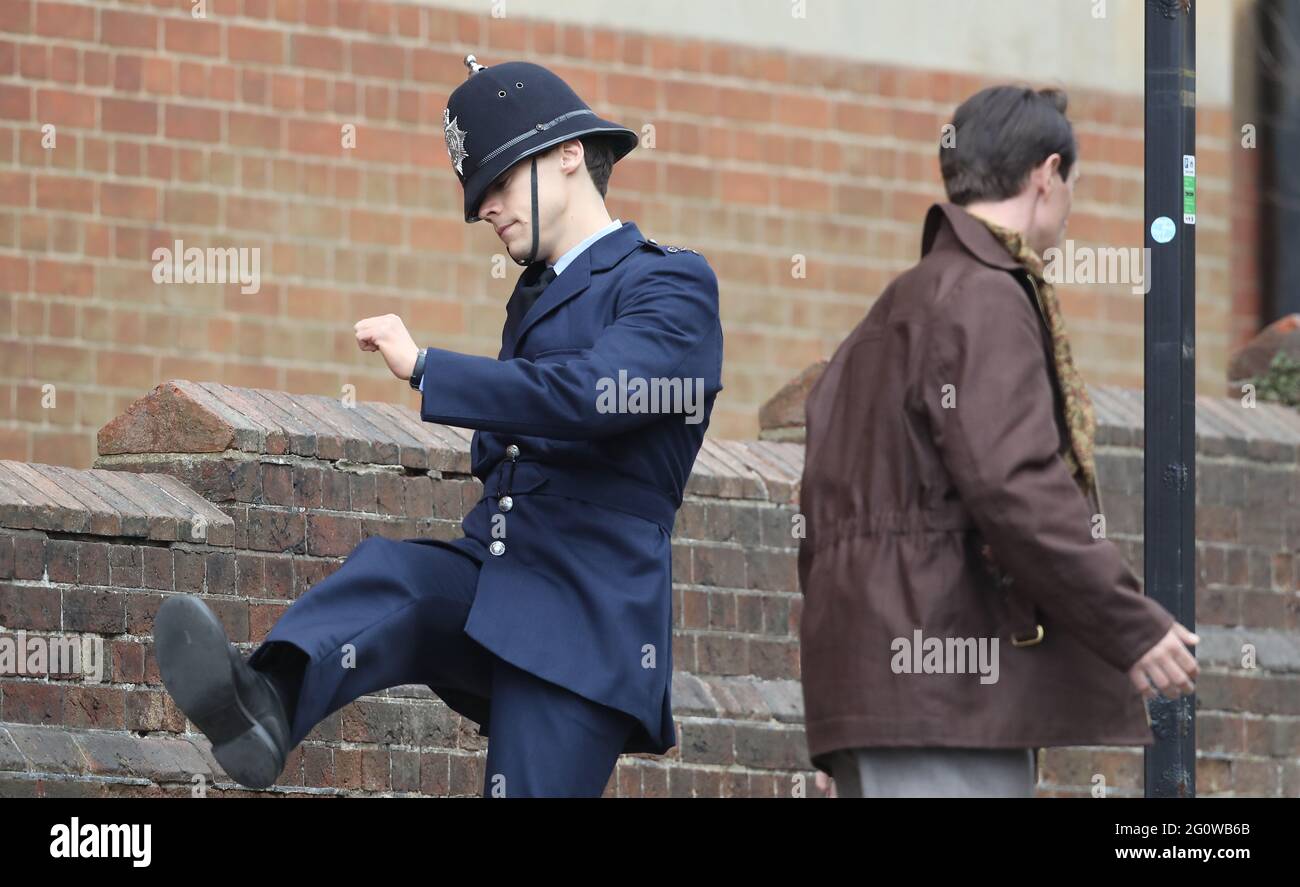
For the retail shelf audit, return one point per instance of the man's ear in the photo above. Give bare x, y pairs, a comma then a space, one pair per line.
1046, 171
572, 156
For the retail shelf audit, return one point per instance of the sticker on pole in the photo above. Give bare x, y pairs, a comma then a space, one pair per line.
1189, 189
1162, 229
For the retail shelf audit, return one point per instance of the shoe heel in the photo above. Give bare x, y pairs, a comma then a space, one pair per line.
195, 661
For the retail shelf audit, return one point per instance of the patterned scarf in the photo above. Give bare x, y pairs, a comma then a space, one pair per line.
1079, 417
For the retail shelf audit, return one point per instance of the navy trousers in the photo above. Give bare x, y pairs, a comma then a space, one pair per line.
393, 614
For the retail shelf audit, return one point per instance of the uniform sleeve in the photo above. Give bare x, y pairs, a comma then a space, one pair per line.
1000, 445
668, 315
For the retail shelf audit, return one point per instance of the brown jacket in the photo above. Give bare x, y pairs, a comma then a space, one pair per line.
901, 488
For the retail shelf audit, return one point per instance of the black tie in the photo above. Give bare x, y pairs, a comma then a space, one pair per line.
528, 293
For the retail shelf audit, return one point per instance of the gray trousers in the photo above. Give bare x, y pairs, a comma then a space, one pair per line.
935, 772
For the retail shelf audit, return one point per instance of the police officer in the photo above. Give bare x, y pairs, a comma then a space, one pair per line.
549, 623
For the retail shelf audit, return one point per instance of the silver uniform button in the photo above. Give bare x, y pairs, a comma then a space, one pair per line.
512, 451
506, 503
497, 547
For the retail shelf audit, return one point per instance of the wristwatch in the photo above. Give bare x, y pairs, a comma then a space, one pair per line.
418, 373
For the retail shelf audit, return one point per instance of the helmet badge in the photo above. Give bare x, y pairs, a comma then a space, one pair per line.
455, 140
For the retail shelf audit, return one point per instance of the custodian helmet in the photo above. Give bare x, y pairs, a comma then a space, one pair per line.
508, 112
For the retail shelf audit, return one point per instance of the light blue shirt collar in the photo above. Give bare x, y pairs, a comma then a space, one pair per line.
563, 261
572, 254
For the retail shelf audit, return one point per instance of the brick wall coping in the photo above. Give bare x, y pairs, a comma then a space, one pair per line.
208, 419
107, 503
1267, 432
184, 417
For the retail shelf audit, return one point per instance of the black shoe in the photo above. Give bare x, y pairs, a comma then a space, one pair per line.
236, 706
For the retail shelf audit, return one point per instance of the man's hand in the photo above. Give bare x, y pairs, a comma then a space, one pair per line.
387, 335
1168, 665
825, 784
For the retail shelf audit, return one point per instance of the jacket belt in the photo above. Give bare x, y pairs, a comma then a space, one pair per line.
595, 486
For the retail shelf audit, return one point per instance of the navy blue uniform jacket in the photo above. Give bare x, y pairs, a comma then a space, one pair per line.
580, 592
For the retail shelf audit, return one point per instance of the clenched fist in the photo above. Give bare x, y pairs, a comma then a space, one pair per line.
387, 335
1168, 668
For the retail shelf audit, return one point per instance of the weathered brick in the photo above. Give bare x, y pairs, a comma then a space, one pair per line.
158, 569
773, 660
467, 775
419, 495
771, 570
682, 569
719, 566
389, 497
61, 560
30, 607
777, 616
334, 491
361, 492
766, 748
245, 481
220, 573
152, 710
330, 536
29, 557
125, 566
749, 613
276, 530
92, 563
708, 743
34, 702
251, 573
722, 611
127, 658
447, 500
277, 484
279, 577
262, 618
189, 570
732, 522
307, 482
233, 614
98, 610
721, 654
778, 527
100, 707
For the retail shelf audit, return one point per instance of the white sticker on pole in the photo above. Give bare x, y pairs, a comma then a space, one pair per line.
1162, 229
1189, 189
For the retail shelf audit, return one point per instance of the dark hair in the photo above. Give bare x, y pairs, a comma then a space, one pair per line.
1002, 133
598, 154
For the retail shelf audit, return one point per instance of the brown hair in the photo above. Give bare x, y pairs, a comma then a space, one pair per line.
599, 157
1002, 133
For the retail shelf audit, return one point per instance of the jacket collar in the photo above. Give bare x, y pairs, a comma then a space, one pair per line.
602, 255
948, 225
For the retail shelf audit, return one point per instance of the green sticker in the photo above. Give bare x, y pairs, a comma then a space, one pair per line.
1189, 189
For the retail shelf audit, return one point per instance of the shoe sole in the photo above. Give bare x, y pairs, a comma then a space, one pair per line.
194, 658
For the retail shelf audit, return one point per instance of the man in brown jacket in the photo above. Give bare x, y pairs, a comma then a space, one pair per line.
962, 606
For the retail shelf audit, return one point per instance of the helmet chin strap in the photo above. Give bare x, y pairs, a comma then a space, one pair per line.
532, 255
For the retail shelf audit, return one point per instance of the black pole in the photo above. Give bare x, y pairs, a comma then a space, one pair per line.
1170, 379
1278, 61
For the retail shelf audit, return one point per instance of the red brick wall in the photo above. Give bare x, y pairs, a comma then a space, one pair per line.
286, 486
225, 132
